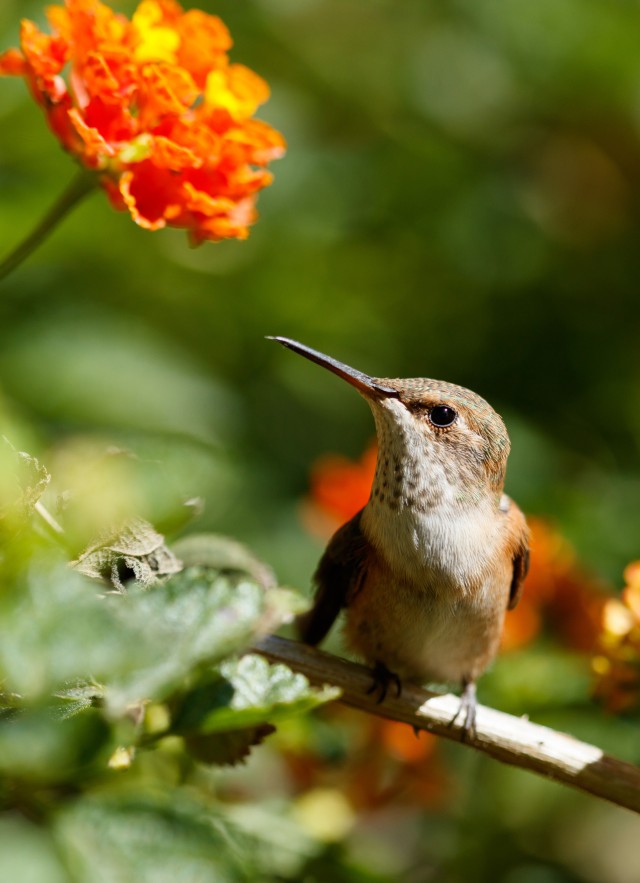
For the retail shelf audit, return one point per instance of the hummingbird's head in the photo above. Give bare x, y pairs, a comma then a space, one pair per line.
447, 424
456, 434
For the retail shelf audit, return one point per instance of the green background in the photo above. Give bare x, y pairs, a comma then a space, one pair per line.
460, 199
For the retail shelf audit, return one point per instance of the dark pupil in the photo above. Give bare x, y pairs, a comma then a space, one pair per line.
441, 415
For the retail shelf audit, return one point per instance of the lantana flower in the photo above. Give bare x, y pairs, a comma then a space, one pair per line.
153, 106
617, 665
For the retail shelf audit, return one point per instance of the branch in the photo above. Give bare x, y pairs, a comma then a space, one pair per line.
82, 184
512, 740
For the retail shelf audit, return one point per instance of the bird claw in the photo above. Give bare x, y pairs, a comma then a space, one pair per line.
382, 677
468, 707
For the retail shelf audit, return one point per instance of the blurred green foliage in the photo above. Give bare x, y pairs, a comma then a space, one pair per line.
459, 200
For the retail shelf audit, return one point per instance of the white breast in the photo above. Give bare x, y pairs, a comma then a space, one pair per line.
446, 543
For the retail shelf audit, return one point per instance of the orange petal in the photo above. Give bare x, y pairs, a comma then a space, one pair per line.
204, 40
233, 226
164, 89
205, 203
124, 187
99, 79
168, 154
96, 145
46, 55
13, 63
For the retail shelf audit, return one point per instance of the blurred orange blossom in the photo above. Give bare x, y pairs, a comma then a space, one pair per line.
557, 593
153, 107
617, 666
385, 763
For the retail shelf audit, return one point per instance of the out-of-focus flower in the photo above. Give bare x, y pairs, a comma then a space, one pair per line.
380, 762
617, 665
340, 487
558, 595
154, 107
395, 766
325, 814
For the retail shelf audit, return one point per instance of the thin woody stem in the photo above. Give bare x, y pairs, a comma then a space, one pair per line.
81, 184
512, 740
49, 520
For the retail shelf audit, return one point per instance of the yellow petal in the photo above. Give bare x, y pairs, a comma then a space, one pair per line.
157, 42
236, 89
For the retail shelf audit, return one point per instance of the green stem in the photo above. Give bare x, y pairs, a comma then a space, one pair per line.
82, 184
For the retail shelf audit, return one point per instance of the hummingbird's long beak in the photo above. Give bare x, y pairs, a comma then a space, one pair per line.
366, 385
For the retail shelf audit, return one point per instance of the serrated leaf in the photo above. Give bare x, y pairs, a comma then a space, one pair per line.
250, 692
138, 646
78, 698
227, 749
187, 622
24, 480
55, 630
135, 551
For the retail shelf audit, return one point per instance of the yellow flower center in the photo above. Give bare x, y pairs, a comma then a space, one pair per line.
157, 42
237, 89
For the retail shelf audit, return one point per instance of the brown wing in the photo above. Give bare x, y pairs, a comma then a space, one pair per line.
517, 539
520, 570
338, 576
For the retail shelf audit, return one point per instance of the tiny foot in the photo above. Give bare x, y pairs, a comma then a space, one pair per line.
468, 705
382, 677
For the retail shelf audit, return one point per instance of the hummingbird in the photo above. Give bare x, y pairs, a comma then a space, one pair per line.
427, 569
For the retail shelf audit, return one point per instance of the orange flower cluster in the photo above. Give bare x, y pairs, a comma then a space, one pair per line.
340, 487
617, 666
153, 105
558, 596
384, 763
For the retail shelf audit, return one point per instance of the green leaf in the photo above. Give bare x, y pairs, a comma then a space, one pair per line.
250, 692
190, 621
281, 846
55, 631
227, 749
35, 744
136, 551
79, 698
165, 838
28, 853
23, 481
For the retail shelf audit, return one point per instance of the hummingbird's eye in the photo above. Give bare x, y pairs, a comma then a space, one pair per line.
442, 416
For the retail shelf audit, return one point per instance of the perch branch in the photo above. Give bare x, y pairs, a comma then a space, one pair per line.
82, 184
510, 739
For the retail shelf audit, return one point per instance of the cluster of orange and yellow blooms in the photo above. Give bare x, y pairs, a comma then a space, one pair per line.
617, 665
155, 108
560, 597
